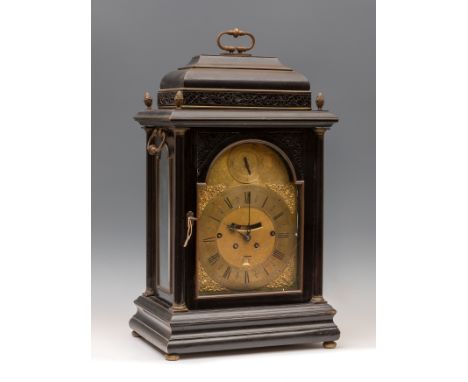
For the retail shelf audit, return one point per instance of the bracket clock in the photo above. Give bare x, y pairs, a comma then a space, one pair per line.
234, 160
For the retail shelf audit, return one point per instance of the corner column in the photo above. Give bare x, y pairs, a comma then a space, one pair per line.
317, 286
182, 195
151, 214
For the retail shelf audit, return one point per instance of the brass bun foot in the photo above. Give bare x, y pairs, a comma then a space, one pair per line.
329, 344
172, 357
135, 334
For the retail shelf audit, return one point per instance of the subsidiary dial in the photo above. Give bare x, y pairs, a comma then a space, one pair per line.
244, 163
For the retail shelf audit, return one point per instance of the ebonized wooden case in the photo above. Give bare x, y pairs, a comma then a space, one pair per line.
213, 102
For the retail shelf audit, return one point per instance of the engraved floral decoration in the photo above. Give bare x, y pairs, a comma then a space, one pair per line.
286, 280
206, 193
207, 284
287, 193
237, 99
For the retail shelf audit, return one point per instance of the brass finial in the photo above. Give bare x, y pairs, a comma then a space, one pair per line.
178, 99
148, 100
319, 101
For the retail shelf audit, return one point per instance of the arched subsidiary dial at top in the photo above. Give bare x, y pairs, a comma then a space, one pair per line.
247, 236
244, 163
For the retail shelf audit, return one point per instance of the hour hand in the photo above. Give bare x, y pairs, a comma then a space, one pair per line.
246, 164
236, 228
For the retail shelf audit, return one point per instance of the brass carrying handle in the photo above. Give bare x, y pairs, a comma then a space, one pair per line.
236, 32
151, 147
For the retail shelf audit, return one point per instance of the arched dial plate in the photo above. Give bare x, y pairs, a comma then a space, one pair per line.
246, 237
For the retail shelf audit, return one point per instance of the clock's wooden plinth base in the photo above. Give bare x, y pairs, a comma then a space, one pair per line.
209, 330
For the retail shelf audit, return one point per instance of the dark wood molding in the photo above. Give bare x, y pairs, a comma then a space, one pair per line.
240, 118
227, 329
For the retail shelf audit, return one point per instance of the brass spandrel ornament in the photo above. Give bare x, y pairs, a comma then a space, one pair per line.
207, 192
240, 237
207, 284
288, 193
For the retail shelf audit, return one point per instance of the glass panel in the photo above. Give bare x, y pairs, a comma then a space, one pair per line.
164, 220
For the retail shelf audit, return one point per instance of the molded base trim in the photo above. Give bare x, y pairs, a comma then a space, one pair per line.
233, 328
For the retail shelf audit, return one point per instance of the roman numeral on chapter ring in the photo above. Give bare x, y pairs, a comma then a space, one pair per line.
279, 255
247, 197
227, 273
213, 258
209, 239
278, 215
246, 277
228, 202
282, 235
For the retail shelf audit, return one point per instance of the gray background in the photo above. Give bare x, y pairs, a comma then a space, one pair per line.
134, 43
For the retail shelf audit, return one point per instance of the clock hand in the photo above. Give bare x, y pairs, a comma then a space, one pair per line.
255, 227
246, 163
248, 196
244, 228
246, 236
232, 227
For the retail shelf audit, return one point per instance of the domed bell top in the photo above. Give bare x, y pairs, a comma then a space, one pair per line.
231, 80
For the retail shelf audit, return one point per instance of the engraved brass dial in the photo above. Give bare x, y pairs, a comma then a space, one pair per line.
261, 165
248, 223
247, 237
244, 163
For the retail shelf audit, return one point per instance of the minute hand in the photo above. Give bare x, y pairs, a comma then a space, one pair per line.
248, 232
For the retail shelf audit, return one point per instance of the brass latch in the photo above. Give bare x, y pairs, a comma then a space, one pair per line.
190, 221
